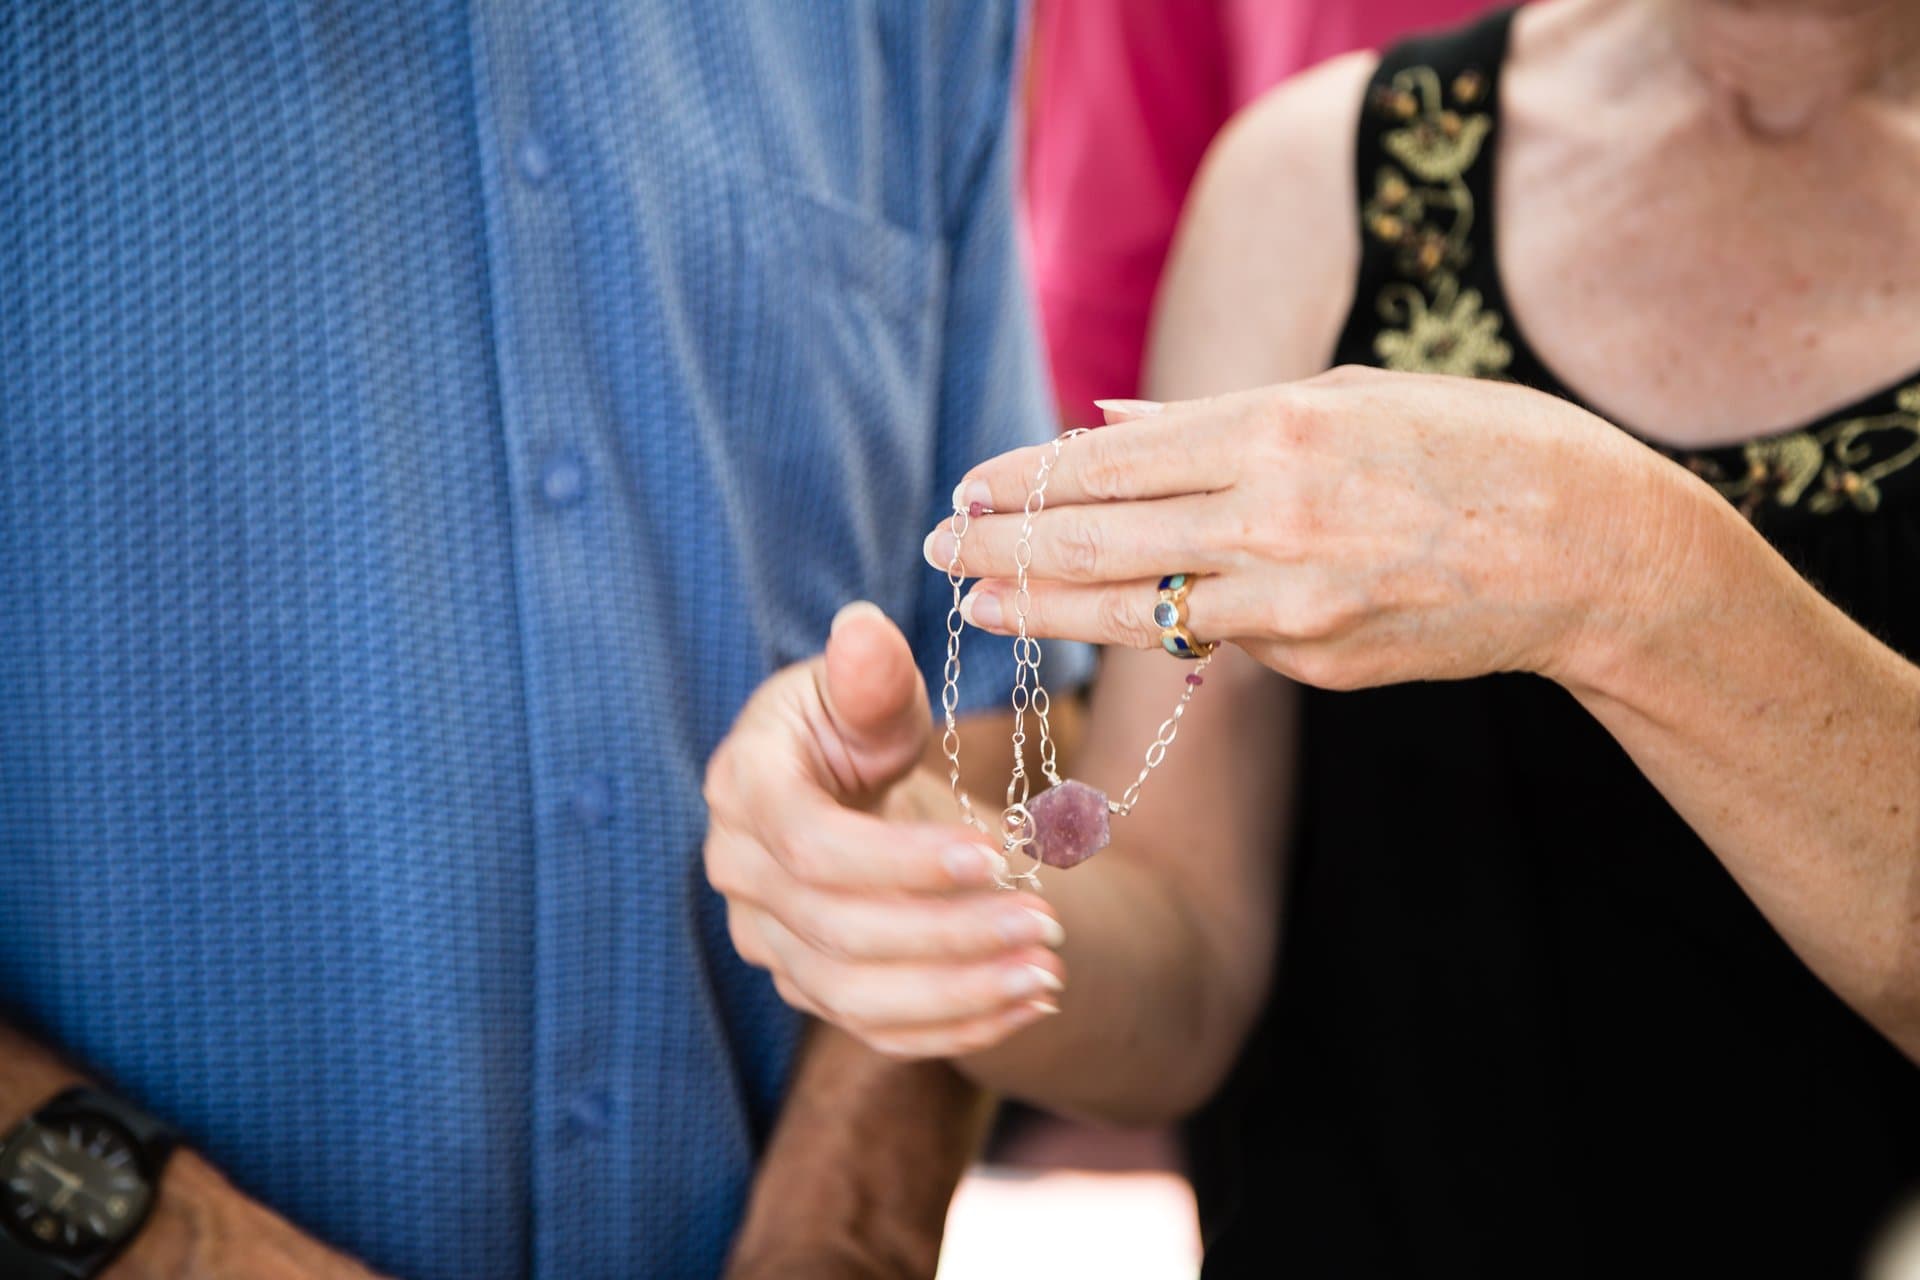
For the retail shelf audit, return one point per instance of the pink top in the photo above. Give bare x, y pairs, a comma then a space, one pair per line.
1126, 95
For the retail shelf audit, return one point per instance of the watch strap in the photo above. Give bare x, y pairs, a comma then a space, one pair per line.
18, 1262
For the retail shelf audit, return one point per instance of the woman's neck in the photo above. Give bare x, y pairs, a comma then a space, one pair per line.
1778, 66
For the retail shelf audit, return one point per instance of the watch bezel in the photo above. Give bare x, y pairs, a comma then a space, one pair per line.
65, 1110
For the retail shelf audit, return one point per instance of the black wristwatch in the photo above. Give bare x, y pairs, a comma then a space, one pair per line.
77, 1180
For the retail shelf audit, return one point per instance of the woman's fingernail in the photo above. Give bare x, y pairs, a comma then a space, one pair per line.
968, 493
1043, 1006
1030, 980
1026, 925
1128, 408
974, 864
938, 548
856, 609
981, 609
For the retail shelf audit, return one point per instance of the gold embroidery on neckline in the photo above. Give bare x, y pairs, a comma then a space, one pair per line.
1824, 469
1422, 208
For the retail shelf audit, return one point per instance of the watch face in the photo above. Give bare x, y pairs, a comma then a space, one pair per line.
72, 1186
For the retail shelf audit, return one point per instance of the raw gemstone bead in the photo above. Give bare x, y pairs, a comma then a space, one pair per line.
1070, 824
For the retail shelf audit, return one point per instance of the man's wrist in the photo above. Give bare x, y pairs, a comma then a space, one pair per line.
202, 1227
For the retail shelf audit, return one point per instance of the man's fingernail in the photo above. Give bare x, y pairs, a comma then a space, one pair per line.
938, 548
1030, 980
973, 864
970, 492
1128, 408
857, 609
981, 609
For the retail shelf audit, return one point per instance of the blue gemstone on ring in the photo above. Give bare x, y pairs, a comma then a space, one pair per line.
1173, 581
1166, 614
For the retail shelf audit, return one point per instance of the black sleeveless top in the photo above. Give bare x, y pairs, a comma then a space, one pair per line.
1525, 1023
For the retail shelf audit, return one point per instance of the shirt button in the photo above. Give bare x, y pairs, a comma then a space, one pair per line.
587, 1114
563, 478
593, 800
535, 161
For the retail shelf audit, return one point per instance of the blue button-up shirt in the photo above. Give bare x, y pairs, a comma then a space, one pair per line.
421, 426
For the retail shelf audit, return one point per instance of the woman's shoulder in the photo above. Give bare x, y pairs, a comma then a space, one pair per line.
1262, 268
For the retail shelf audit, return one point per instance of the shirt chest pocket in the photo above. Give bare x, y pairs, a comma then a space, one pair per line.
831, 397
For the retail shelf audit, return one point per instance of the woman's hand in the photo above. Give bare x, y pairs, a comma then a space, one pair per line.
869, 913
1355, 529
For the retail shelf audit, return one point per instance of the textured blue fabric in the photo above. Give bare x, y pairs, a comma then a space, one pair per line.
421, 426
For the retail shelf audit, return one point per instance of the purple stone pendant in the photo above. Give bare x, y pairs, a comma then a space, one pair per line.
1070, 824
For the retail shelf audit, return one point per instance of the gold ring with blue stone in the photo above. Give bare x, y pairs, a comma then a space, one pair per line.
1170, 615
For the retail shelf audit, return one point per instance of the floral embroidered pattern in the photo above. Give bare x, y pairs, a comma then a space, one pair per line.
1453, 333
1421, 206
1825, 469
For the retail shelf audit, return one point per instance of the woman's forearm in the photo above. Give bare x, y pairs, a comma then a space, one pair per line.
1152, 1014
1169, 933
1786, 736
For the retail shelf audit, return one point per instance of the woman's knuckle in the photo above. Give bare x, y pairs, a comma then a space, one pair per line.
716, 786
1280, 618
723, 872
1103, 476
807, 855
1323, 669
791, 992
1120, 620
746, 939
1324, 614
833, 936
1079, 546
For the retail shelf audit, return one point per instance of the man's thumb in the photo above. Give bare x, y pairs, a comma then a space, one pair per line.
875, 701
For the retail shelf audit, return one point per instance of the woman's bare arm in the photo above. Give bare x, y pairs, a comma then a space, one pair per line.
1787, 737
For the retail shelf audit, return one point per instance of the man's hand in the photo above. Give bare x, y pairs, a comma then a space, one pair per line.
203, 1229
868, 914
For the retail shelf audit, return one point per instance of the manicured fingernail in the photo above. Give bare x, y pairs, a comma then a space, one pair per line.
1129, 408
1027, 925
1030, 980
857, 609
972, 497
1043, 1007
973, 864
938, 548
981, 608
1051, 933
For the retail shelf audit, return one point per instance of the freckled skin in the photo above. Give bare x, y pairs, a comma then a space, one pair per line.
1640, 239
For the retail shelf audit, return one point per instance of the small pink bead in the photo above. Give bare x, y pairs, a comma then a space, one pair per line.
976, 509
1195, 681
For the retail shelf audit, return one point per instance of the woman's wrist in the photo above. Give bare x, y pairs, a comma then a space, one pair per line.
1661, 546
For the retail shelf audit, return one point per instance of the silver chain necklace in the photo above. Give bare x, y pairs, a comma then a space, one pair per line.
1069, 821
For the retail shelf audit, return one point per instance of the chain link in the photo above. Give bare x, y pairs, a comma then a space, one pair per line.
1016, 820
950, 677
1157, 750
